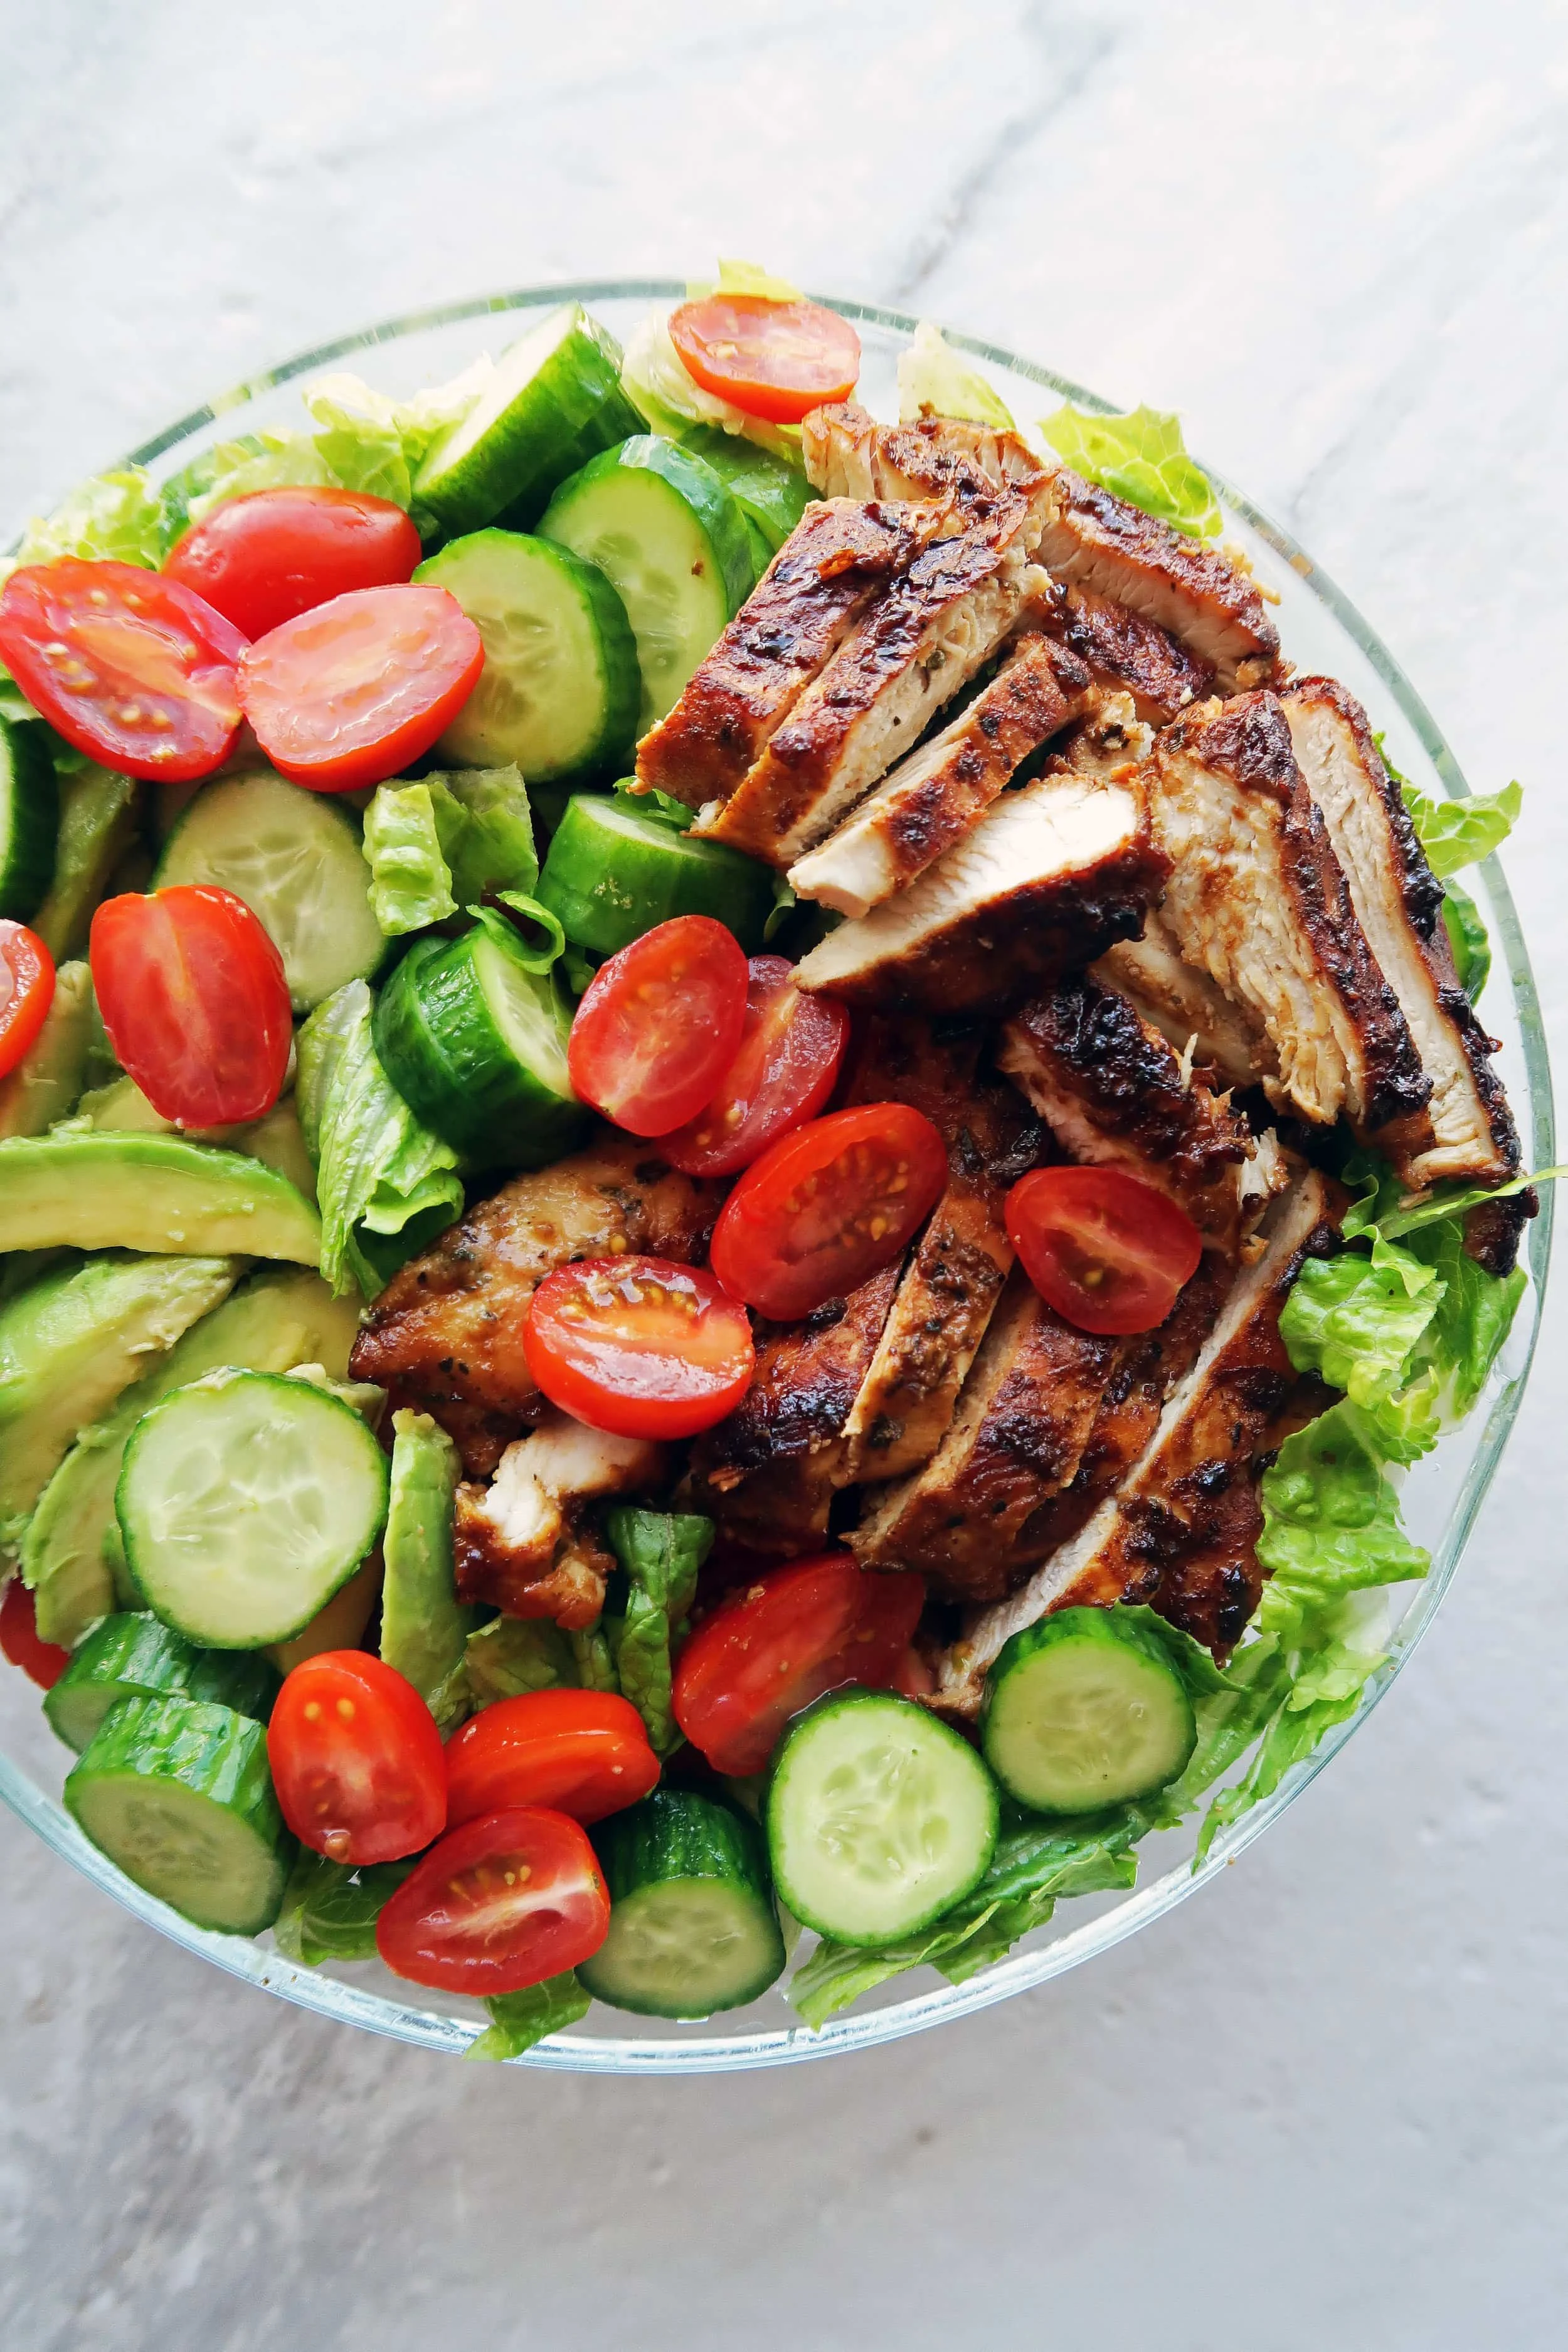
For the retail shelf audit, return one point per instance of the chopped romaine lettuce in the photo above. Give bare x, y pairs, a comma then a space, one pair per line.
1139, 457
934, 382
410, 881
519, 2020
1457, 833
386, 1184
441, 844
744, 277
1472, 949
512, 1656
115, 518
654, 379
660, 1554
275, 459
492, 848
357, 438
330, 1910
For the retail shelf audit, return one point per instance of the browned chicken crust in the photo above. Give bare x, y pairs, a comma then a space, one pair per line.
1121, 648
445, 1335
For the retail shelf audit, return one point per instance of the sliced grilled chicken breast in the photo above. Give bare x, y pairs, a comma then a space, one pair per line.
933, 798
1182, 1526
847, 454
1183, 1003
1122, 648
1471, 1135
1257, 900
519, 1544
833, 567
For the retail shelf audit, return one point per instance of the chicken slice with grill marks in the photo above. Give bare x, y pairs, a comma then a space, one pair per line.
933, 798
827, 574
767, 1473
1183, 1002
445, 1335
1121, 648
1181, 1528
1114, 1094
520, 1544
1469, 1135
1257, 900
847, 454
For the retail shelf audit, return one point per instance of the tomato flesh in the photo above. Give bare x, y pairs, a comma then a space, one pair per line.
502, 1903
825, 1208
782, 1073
575, 1751
42, 1662
659, 1025
129, 667
194, 996
356, 1760
27, 991
350, 692
261, 559
773, 359
1106, 1250
806, 1630
639, 1346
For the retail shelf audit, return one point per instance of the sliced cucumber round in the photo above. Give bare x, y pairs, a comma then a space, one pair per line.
880, 1817
560, 689
178, 1794
660, 524
29, 819
1085, 1710
692, 1923
769, 492
610, 875
295, 859
475, 1041
245, 1501
554, 400
138, 1656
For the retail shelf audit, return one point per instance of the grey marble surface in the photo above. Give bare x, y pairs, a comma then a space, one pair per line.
1326, 2102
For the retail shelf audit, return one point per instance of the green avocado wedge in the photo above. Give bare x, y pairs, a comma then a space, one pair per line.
72, 1345
48, 1080
152, 1192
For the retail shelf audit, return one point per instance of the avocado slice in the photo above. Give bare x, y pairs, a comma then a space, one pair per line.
123, 1109
71, 1554
97, 819
423, 1627
73, 1343
46, 1083
82, 1190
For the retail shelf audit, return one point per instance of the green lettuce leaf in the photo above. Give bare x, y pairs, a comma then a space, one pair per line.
660, 1554
358, 440
1457, 833
1472, 949
592, 1658
115, 518
442, 843
410, 881
934, 382
744, 277
519, 2020
1139, 457
492, 846
1356, 1323
329, 1911
275, 459
512, 1656
654, 379
386, 1184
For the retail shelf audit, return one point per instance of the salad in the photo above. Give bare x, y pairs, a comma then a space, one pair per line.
735, 1156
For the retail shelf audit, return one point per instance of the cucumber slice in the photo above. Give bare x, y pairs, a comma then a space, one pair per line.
137, 1656
692, 1923
880, 1818
556, 399
610, 875
295, 860
769, 492
660, 524
245, 1501
423, 1628
475, 1041
560, 689
1084, 1710
29, 819
178, 1794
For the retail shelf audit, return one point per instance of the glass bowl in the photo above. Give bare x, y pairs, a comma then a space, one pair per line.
1321, 632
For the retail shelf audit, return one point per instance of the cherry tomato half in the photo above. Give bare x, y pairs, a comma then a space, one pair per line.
27, 991
129, 667
194, 997
1109, 1253
356, 1760
775, 359
639, 1346
659, 1025
503, 1902
823, 1209
348, 693
261, 559
787, 1640
581, 1752
42, 1662
782, 1075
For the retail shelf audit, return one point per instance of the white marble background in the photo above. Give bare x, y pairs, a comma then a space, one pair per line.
1326, 2103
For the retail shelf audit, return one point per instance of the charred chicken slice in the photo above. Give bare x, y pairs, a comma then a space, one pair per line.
933, 798
520, 1544
1183, 1002
445, 1335
1121, 648
848, 454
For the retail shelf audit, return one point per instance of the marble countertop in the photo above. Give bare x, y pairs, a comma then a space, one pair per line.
1328, 2101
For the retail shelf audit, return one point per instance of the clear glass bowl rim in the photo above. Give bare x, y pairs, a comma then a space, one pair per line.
350, 2004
